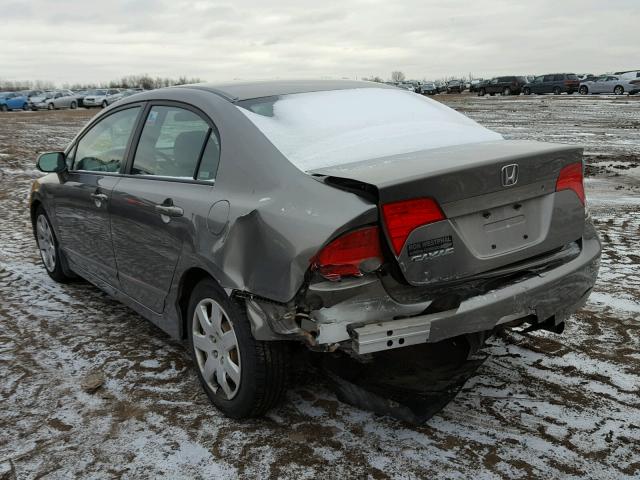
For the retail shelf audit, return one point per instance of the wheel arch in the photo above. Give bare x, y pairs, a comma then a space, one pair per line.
188, 280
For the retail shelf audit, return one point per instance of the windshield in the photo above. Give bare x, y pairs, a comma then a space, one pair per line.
99, 92
322, 129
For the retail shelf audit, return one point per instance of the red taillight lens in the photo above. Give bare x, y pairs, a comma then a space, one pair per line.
570, 178
401, 218
344, 256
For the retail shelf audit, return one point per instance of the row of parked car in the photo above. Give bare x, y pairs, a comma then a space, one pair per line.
556, 83
56, 99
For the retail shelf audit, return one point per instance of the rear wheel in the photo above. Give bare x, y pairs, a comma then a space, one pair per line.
25, 107
50, 106
105, 104
73, 105
241, 376
526, 91
49, 248
506, 91
3, 108
583, 90
557, 91
481, 92
618, 90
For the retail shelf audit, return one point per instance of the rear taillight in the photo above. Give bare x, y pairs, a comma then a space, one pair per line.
401, 218
350, 255
571, 178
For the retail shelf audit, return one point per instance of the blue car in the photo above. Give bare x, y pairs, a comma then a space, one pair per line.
13, 101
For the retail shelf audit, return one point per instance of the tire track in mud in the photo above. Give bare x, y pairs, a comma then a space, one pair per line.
542, 405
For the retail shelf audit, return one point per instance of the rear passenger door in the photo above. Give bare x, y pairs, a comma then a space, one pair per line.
164, 198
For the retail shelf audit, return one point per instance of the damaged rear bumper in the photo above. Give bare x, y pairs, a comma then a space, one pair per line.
372, 321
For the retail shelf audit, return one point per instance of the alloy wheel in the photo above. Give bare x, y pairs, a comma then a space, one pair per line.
46, 243
618, 90
216, 348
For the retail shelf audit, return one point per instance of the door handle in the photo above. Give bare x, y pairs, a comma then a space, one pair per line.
169, 210
100, 197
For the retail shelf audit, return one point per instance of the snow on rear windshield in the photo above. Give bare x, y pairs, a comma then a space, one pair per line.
324, 129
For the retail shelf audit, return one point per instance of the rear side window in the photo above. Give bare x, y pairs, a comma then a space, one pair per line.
572, 76
548, 78
559, 77
172, 143
103, 147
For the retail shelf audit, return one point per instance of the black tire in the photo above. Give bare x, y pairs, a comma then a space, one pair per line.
263, 365
50, 106
583, 90
105, 104
619, 90
526, 91
73, 105
482, 92
506, 92
557, 91
492, 94
25, 107
57, 271
3, 108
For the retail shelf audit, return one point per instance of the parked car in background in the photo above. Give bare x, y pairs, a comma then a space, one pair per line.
508, 85
473, 85
555, 83
80, 94
455, 86
428, 88
609, 84
634, 81
583, 77
55, 100
441, 86
102, 97
413, 238
13, 101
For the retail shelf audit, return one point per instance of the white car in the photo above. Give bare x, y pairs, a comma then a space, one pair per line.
616, 84
54, 100
102, 97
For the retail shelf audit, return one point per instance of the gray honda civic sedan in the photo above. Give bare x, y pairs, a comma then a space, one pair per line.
340, 215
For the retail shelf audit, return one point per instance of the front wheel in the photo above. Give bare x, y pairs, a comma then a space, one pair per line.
526, 91
618, 90
105, 104
583, 90
73, 105
242, 377
50, 106
482, 92
3, 108
506, 91
25, 107
49, 248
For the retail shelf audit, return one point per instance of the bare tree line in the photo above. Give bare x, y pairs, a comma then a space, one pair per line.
129, 81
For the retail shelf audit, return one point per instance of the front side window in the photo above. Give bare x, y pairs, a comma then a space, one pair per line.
171, 144
103, 147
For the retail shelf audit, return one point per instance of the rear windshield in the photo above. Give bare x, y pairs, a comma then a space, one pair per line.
323, 129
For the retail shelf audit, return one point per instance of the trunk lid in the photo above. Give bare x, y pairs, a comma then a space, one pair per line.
493, 218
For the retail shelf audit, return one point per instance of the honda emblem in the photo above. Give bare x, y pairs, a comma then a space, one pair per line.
510, 175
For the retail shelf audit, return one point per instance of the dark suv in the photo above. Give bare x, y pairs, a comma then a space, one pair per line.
510, 85
555, 83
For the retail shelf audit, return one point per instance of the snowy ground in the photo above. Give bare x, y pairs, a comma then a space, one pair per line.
542, 405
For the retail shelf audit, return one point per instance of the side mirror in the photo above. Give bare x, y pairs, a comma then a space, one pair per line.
52, 162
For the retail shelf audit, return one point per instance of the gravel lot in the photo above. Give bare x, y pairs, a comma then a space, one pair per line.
542, 405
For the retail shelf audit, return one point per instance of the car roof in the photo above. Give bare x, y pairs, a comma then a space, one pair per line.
238, 91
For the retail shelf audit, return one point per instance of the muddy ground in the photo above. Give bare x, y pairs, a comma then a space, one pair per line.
542, 405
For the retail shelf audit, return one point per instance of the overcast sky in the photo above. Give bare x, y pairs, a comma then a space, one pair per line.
90, 41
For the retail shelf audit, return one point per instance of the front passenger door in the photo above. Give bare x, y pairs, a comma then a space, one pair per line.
83, 197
